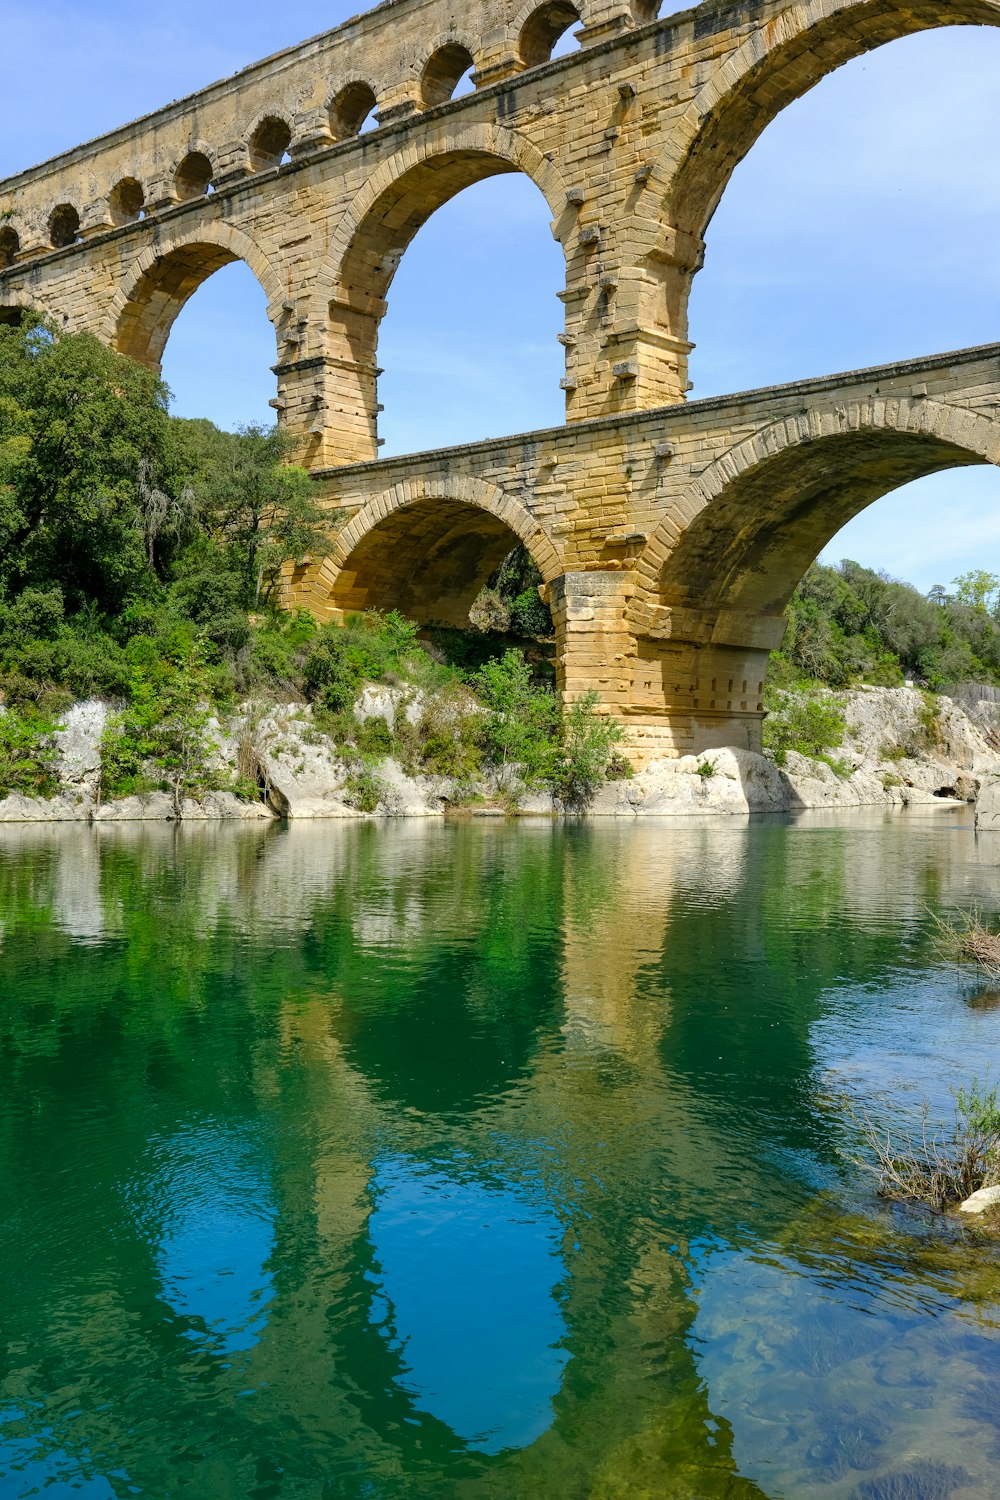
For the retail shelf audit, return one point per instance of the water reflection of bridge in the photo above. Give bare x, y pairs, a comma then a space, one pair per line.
572, 1091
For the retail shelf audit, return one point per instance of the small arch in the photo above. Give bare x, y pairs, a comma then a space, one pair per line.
126, 201
352, 108
64, 226
542, 29
428, 554
193, 177
442, 72
10, 246
269, 143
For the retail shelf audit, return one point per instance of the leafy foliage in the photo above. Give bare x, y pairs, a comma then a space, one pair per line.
849, 624
27, 752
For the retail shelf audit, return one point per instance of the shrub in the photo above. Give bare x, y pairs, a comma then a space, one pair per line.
446, 739
587, 744
374, 737
529, 616
809, 724
363, 790
368, 648
27, 753
520, 726
934, 1165
705, 769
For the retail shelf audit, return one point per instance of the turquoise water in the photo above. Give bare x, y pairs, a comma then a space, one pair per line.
485, 1160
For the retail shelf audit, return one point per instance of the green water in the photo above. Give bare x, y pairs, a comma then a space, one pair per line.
485, 1161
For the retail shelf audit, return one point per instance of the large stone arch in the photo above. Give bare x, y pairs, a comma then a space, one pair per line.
426, 547
370, 240
167, 273
755, 519
777, 64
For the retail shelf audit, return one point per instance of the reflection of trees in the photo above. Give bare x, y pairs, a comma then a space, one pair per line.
617, 1017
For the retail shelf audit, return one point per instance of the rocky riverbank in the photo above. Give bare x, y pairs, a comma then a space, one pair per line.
901, 749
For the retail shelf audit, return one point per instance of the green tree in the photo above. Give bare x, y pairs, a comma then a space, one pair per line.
79, 424
979, 590
520, 731
263, 509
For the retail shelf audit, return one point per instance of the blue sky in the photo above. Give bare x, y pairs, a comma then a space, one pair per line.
862, 227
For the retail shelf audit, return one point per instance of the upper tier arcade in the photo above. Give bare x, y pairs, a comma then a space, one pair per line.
631, 139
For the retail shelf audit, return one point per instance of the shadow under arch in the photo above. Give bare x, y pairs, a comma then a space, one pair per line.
374, 234
771, 70
768, 507
166, 276
428, 555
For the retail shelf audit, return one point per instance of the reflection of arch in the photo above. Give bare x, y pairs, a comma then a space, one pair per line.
427, 548
165, 276
444, 67
764, 510
773, 68
539, 27
350, 108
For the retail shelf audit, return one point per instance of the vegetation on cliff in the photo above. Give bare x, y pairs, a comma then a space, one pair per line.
140, 558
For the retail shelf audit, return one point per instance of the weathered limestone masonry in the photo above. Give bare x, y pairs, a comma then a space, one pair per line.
668, 538
670, 541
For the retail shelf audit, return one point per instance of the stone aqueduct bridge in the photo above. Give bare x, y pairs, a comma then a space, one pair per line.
670, 534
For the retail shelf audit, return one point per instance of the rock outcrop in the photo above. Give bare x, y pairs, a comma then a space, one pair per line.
901, 749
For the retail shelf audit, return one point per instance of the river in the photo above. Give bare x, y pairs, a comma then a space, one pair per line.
486, 1160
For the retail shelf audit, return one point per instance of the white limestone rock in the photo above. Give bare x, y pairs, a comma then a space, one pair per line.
988, 808
149, 807
65, 808
981, 1201
740, 783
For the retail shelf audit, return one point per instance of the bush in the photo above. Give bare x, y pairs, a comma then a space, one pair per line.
363, 790
586, 751
934, 1165
446, 739
27, 753
368, 648
521, 723
809, 724
529, 616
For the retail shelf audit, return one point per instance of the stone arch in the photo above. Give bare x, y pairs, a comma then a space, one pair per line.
757, 518
126, 200
350, 107
372, 236
426, 547
268, 138
10, 246
537, 28
64, 226
448, 59
774, 67
194, 173
165, 275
